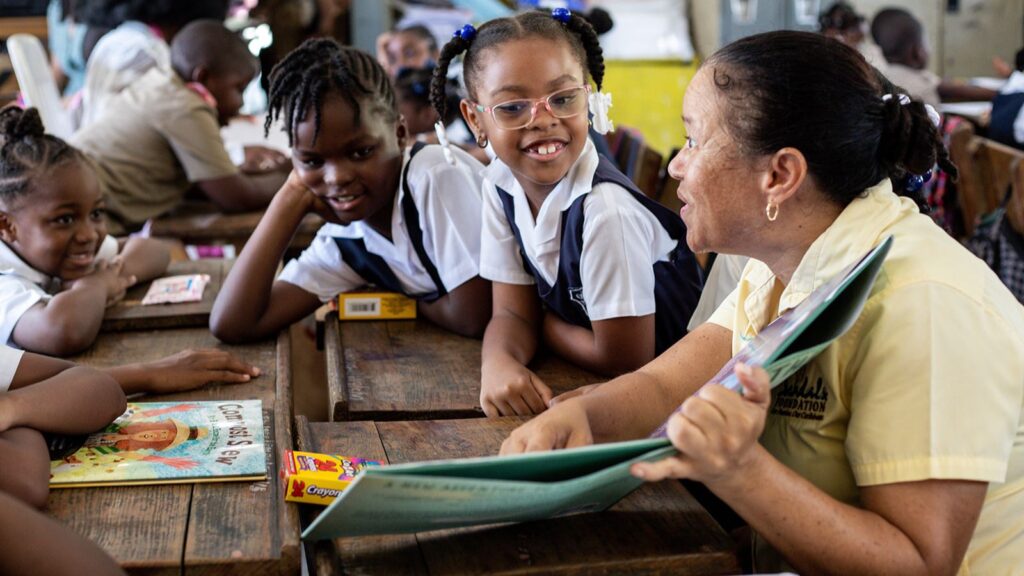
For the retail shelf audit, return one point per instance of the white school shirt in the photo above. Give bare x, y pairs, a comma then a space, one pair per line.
1015, 84
448, 200
9, 360
121, 57
22, 286
621, 238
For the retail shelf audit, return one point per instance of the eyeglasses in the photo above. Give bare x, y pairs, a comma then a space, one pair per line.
516, 114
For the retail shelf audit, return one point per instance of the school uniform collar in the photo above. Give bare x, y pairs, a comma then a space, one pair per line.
576, 183
859, 227
12, 265
1014, 84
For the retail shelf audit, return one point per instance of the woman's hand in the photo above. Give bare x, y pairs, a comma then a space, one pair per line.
508, 388
716, 431
191, 369
562, 426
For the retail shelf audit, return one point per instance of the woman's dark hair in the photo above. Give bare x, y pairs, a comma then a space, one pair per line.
413, 85
320, 66
815, 94
26, 151
537, 23
177, 13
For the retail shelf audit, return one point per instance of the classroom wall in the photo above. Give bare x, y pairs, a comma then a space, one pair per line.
963, 43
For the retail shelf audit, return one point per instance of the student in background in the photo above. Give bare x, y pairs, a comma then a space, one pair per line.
580, 260
139, 41
405, 220
901, 38
161, 136
900, 448
412, 89
59, 269
413, 47
843, 23
65, 39
1006, 123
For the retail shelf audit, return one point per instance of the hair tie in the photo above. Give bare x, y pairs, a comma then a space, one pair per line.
442, 139
599, 103
915, 182
903, 99
467, 33
561, 14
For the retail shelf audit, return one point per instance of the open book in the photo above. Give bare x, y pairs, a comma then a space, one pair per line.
423, 496
170, 442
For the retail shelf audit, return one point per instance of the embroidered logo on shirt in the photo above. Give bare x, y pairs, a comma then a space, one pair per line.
576, 295
798, 397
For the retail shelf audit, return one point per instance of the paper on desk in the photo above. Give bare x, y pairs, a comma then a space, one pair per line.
176, 289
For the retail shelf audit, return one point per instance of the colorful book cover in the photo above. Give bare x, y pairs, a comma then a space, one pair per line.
170, 442
176, 289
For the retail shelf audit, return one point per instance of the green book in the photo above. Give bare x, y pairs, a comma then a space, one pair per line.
422, 496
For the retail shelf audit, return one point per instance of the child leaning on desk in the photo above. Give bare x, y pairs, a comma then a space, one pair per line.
406, 220
161, 136
59, 269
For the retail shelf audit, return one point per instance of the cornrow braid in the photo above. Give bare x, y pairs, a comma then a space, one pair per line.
320, 66
577, 32
438, 84
27, 151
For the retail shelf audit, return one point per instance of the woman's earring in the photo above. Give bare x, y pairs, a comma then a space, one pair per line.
771, 211
481, 140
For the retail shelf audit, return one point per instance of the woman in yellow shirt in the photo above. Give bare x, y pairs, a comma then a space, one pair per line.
900, 449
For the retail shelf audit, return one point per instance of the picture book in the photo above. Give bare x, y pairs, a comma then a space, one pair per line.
424, 496
176, 289
170, 442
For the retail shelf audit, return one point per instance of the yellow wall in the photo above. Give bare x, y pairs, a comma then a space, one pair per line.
648, 96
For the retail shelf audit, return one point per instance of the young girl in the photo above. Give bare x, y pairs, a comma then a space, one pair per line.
405, 220
59, 270
615, 282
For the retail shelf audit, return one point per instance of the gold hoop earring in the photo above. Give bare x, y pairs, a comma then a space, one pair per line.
481, 141
771, 211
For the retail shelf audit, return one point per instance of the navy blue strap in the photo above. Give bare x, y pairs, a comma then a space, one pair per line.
412, 224
370, 266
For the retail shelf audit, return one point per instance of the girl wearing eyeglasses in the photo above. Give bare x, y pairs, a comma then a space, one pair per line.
579, 259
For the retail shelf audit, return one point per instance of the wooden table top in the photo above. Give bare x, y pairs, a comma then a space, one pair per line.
200, 222
199, 528
412, 369
130, 314
659, 528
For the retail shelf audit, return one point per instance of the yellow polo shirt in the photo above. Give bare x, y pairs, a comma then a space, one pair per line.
929, 383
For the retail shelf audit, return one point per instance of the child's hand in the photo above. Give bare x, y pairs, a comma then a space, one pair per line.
260, 160
508, 388
298, 191
107, 274
562, 426
716, 431
190, 369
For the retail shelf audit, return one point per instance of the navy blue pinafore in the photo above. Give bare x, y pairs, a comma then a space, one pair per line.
677, 281
375, 269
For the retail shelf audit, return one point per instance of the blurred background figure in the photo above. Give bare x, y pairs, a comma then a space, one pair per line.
843, 23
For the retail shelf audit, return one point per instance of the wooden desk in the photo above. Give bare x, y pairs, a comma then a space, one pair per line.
200, 222
411, 369
223, 528
34, 25
659, 528
130, 314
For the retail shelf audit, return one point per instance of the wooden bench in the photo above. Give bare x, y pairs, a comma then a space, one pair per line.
987, 170
659, 528
411, 369
193, 528
130, 314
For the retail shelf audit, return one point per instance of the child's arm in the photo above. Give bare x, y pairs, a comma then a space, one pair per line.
465, 310
507, 386
243, 193
45, 546
24, 467
251, 305
69, 322
52, 395
186, 370
613, 347
950, 91
144, 258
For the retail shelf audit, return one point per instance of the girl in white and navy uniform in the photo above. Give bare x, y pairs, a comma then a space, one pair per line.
579, 259
406, 221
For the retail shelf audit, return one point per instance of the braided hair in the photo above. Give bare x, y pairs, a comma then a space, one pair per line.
26, 151
577, 31
818, 95
320, 66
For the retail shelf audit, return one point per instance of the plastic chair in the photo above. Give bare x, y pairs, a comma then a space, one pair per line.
39, 89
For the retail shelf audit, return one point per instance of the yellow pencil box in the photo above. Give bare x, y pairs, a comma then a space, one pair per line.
375, 306
314, 478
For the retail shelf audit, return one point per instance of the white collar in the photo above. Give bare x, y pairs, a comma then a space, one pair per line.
1014, 84
12, 265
